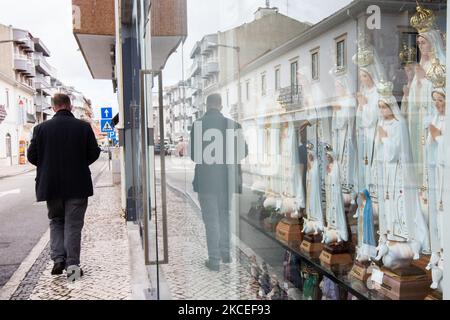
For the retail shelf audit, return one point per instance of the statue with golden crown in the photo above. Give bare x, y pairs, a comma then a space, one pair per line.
421, 110
436, 165
404, 232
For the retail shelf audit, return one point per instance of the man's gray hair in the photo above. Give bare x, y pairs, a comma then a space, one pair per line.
214, 101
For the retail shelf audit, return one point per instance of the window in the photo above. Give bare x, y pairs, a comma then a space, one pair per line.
247, 90
294, 83
263, 84
340, 54
277, 79
315, 65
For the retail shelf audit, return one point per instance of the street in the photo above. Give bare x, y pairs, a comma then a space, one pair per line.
24, 221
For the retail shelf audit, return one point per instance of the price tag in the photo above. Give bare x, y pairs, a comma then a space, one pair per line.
377, 276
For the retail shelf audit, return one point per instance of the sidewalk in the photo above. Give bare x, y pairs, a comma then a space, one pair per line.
186, 275
14, 170
105, 256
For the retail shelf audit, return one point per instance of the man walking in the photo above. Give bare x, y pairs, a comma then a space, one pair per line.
63, 148
217, 147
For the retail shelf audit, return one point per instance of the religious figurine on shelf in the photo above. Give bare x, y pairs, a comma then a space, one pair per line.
366, 249
343, 135
367, 245
421, 109
436, 166
336, 230
403, 229
313, 222
336, 234
371, 71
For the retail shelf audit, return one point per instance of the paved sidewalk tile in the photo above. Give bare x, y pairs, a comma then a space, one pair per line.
104, 256
186, 274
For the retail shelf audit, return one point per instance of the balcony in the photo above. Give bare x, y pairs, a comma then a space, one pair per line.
22, 37
195, 69
43, 83
291, 98
20, 63
210, 68
42, 103
42, 65
39, 46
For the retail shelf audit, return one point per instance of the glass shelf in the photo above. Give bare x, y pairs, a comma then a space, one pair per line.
338, 275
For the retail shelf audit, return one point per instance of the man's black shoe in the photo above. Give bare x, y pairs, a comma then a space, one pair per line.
58, 268
212, 266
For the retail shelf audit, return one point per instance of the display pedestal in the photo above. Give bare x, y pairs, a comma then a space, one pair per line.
360, 271
410, 283
435, 295
336, 254
312, 245
289, 231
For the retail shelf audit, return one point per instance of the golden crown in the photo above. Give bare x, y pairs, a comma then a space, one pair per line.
365, 56
408, 55
437, 73
310, 146
385, 88
423, 20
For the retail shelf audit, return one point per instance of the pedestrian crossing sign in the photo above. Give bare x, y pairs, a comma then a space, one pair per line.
107, 126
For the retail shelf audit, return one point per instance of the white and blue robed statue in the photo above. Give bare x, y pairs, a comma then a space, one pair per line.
371, 72
336, 230
343, 135
421, 110
436, 163
314, 220
367, 243
404, 233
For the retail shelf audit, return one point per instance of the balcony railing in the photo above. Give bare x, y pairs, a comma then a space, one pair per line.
42, 65
210, 68
195, 69
291, 98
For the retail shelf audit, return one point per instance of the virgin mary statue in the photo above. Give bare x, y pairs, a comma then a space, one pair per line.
403, 229
421, 109
314, 217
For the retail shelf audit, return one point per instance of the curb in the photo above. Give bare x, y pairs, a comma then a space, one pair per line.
19, 275
17, 174
7, 291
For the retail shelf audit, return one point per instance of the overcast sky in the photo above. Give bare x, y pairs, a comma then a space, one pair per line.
51, 20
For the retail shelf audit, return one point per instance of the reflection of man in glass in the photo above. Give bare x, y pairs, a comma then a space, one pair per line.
217, 147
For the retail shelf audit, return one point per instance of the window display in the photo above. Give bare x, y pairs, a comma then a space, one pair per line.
374, 194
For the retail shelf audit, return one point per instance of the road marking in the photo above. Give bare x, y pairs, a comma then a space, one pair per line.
5, 193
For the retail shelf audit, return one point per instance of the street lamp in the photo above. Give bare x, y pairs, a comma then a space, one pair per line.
238, 53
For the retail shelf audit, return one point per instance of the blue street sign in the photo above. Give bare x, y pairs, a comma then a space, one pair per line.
112, 135
107, 113
107, 126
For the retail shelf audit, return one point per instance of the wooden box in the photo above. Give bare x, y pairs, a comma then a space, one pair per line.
312, 245
360, 271
404, 287
289, 231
